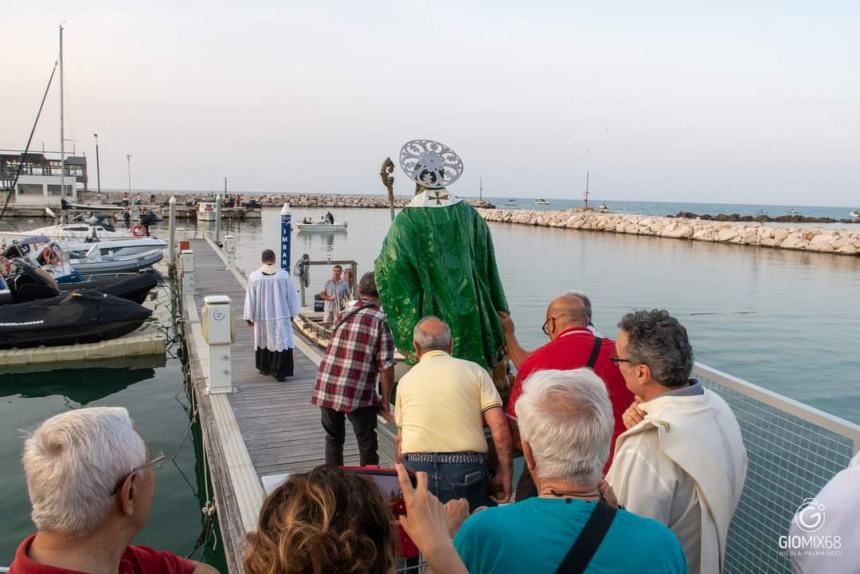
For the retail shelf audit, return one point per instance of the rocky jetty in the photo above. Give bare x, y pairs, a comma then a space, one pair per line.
275, 200
820, 240
762, 218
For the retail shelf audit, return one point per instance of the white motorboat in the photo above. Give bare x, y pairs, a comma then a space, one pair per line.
206, 211
511, 202
95, 262
541, 202
113, 247
856, 214
95, 228
322, 227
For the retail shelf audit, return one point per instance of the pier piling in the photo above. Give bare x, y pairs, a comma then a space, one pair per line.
171, 245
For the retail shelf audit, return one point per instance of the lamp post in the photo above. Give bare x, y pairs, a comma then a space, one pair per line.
128, 160
98, 172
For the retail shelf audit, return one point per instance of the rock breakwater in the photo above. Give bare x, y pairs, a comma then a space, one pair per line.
820, 240
272, 200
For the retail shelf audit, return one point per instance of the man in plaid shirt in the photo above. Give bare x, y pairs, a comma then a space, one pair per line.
361, 348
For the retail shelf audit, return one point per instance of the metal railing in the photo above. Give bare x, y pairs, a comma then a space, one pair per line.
793, 450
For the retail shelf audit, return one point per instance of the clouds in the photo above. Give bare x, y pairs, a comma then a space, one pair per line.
679, 101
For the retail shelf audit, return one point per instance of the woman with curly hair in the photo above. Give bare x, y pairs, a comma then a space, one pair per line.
332, 521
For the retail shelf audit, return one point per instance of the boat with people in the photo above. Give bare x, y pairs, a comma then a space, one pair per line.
325, 223
542, 202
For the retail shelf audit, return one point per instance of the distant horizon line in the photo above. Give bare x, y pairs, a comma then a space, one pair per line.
486, 197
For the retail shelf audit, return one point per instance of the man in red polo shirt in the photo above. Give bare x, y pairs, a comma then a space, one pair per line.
91, 479
572, 346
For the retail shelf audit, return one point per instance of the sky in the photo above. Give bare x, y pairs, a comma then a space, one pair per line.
726, 102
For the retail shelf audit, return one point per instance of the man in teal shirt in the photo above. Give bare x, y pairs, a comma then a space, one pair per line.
566, 422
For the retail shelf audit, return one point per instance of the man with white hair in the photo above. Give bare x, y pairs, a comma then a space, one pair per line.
566, 421
91, 479
442, 405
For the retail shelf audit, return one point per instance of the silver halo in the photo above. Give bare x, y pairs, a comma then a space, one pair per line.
430, 164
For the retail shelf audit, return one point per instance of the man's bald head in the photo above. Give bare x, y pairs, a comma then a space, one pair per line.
431, 334
568, 310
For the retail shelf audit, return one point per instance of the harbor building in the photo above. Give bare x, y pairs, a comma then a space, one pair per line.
41, 180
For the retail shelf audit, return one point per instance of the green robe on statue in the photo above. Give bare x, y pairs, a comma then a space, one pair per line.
438, 259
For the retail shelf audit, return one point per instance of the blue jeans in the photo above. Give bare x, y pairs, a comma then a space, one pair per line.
454, 480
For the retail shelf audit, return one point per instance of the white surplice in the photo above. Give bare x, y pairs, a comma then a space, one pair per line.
271, 302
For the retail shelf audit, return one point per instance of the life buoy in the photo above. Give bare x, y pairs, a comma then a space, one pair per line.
138, 231
49, 257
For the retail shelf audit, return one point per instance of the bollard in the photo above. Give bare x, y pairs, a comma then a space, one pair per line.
171, 231
230, 249
286, 236
217, 331
187, 272
217, 218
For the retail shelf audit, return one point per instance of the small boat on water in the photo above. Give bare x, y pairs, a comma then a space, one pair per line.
206, 211
541, 202
511, 202
78, 317
856, 214
322, 227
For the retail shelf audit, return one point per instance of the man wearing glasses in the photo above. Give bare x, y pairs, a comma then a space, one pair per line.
571, 346
683, 461
91, 480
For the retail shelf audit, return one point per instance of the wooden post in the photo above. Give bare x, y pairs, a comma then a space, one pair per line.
171, 232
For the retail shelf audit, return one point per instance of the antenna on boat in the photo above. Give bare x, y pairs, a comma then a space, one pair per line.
29, 141
62, 125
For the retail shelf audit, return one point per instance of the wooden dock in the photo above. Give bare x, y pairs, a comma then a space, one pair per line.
263, 427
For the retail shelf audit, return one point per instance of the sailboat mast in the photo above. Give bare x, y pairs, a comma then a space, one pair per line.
62, 125
481, 191
586, 188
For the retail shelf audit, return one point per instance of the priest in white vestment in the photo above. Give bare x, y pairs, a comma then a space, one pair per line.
271, 302
682, 460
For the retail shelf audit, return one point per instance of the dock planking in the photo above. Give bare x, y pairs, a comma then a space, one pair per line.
279, 427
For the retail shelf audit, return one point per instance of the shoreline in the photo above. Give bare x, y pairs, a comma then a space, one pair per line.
811, 239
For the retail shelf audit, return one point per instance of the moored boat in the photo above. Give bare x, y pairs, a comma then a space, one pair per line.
79, 317
330, 227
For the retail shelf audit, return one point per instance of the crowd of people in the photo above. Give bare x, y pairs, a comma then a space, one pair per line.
630, 465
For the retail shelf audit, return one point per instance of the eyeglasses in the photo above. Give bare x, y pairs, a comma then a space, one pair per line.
546, 324
155, 463
616, 359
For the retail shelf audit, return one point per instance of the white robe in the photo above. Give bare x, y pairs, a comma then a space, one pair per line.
271, 302
840, 499
684, 465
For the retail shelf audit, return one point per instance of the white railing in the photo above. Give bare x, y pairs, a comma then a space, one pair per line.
793, 449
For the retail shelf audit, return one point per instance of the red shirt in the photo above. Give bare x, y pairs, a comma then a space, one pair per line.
571, 350
135, 560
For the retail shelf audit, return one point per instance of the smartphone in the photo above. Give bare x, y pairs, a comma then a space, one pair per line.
387, 482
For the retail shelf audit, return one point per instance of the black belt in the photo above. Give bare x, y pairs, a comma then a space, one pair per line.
446, 457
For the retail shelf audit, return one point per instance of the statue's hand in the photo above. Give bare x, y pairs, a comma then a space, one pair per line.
507, 322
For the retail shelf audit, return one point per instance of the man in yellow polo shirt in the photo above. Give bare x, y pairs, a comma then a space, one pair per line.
442, 406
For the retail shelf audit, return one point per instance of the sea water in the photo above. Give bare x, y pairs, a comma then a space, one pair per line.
784, 320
